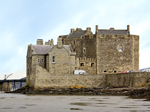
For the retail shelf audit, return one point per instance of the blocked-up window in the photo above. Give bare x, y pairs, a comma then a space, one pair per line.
53, 58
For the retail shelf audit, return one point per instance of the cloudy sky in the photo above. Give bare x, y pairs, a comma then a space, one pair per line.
22, 22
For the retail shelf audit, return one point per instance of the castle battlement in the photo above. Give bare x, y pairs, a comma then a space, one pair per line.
88, 59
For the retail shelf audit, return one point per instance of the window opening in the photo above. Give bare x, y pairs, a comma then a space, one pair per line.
92, 64
42, 60
105, 71
82, 64
114, 71
53, 59
120, 48
74, 42
38, 60
28, 72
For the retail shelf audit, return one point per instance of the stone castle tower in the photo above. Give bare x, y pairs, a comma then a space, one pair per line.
106, 51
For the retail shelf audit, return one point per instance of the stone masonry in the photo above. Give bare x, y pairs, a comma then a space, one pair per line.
108, 51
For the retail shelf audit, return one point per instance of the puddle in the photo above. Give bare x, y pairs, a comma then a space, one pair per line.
12, 97
2, 97
107, 103
127, 107
75, 109
23, 107
100, 100
6, 108
30, 104
80, 104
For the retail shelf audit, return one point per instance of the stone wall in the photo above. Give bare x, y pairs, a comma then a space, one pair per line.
134, 79
45, 80
84, 46
109, 58
63, 62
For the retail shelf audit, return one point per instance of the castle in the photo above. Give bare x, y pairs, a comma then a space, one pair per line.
106, 51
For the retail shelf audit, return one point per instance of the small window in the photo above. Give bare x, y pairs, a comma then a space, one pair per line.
120, 48
53, 59
74, 42
84, 50
28, 72
42, 60
74, 50
92, 64
105, 71
114, 71
38, 60
82, 64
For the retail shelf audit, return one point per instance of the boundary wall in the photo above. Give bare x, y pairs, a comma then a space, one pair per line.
44, 80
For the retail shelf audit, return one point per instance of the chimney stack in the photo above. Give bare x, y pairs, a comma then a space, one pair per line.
128, 27
59, 43
39, 42
72, 30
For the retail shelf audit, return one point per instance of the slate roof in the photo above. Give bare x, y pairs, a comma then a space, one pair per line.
113, 32
41, 49
44, 49
78, 33
67, 47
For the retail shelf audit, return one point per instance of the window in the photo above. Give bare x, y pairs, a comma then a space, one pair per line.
53, 58
28, 72
105, 71
84, 50
74, 50
82, 64
120, 48
92, 64
42, 60
74, 42
114, 71
38, 60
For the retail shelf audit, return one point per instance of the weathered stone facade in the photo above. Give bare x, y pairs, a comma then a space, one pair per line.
56, 60
112, 51
108, 51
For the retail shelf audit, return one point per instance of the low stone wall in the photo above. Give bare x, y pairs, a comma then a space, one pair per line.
43, 79
134, 79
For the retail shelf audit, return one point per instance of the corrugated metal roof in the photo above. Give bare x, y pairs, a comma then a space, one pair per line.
113, 32
41, 49
77, 34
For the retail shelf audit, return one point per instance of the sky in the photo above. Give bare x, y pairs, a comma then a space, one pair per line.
22, 22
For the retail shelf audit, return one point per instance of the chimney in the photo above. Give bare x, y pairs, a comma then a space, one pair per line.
72, 30
88, 29
39, 42
96, 29
52, 42
111, 28
128, 27
59, 43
